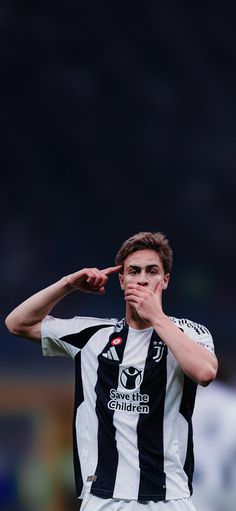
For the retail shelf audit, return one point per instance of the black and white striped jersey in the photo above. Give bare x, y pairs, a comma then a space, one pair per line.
133, 407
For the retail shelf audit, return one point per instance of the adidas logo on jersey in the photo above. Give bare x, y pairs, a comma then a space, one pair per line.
111, 354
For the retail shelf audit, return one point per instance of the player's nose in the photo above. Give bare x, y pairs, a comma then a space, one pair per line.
142, 280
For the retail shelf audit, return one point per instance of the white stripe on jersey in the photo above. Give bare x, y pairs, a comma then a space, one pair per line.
128, 472
82, 436
174, 449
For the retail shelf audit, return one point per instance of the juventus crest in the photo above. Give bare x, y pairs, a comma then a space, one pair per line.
158, 346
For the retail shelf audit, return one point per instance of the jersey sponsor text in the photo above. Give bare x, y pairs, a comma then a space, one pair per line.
128, 402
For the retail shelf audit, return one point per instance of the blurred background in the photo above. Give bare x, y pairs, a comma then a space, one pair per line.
116, 117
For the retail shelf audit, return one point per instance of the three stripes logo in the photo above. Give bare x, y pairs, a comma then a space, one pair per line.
111, 354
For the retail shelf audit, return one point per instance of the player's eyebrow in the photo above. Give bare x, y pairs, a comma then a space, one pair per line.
149, 266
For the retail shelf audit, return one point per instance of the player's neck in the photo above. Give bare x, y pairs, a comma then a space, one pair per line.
134, 320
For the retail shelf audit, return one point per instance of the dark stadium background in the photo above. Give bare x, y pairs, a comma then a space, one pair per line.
115, 117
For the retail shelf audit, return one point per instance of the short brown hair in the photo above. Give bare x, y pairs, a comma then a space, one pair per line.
152, 240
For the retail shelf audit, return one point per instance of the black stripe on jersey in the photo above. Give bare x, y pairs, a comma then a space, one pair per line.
80, 339
108, 376
152, 484
79, 398
186, 409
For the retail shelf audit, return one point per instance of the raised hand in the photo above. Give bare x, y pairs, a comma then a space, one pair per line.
25, 320
147, 302
91, 280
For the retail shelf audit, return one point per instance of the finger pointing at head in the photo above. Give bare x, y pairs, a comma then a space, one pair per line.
111, 269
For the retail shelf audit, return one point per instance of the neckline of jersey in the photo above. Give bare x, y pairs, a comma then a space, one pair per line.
140, 330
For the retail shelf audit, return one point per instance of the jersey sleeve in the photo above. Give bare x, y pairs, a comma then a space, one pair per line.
64, 337
196, 332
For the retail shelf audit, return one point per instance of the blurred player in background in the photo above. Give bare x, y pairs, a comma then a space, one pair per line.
214, 422
136, 381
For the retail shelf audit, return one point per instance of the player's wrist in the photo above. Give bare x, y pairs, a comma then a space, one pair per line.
160, 321
67, 284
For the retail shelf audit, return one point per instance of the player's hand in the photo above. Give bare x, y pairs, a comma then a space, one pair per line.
147, 302
91, 280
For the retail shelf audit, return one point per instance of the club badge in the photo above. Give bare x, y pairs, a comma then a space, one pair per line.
116, 341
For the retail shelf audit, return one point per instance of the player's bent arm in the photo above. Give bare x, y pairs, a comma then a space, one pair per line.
196, 361
25, 320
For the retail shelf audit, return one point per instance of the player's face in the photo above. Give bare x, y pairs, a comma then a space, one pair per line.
145, 268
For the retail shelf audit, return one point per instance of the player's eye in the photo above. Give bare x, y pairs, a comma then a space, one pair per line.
131, 271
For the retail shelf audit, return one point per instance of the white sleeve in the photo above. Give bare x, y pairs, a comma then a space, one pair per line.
196, 332
53, 330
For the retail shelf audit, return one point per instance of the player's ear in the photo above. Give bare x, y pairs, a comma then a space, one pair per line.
121, 279
166, 281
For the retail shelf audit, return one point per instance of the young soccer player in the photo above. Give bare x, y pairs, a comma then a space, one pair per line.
136, 381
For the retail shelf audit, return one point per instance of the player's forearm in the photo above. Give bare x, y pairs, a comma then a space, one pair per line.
195, 360
35, 308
